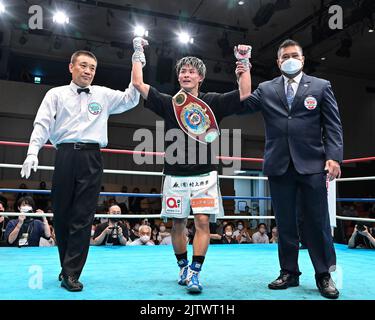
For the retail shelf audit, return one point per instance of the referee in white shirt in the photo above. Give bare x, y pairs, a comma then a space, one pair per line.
74, 118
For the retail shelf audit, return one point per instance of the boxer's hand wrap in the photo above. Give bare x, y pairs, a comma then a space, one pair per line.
243, 55
138, 55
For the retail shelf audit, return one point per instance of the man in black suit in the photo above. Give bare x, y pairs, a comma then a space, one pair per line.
304, 148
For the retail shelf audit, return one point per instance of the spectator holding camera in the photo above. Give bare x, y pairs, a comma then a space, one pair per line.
362, 237
261, 235
144, 237
113, 232
26, 231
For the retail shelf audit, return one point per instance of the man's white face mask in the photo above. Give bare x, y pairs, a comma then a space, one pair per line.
291, 67
145, 239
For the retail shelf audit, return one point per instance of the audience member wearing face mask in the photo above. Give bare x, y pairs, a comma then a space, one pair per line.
26, 231
261, 235
228, 237
144, 237
241, 234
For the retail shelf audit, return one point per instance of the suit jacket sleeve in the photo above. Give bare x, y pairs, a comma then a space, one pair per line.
332, 129
253, 103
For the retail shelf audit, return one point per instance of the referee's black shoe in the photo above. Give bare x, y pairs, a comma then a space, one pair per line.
284, 281
327, 287
71, 283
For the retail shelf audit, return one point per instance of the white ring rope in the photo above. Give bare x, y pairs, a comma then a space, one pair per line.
130, 172
153, 173
158, 216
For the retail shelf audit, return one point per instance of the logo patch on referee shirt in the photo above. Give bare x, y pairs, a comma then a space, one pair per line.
95, 108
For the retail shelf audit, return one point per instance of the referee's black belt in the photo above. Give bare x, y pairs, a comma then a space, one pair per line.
79, 146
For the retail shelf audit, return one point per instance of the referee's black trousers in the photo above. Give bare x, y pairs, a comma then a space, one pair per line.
310, 192
75, 189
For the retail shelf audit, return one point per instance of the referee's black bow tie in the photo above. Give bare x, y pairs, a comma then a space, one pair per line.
87, 90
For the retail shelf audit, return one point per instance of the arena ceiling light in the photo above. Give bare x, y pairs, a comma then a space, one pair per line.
240, 3
185, 38
140, 31
2, 8
60, 17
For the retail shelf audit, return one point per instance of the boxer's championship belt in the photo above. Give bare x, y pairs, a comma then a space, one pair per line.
195, 117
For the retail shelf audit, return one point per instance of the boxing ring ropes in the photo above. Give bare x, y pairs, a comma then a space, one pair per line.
152, 195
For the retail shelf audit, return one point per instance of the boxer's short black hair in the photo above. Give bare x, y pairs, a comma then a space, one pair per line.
191, 61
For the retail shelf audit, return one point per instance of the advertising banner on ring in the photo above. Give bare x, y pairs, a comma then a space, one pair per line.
195, 117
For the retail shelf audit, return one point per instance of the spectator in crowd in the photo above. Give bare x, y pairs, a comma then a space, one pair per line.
220, 226
42, 200
362, 237
50, 219
20, 195
135, 231
228, 237
135, 203
51, 241
261, 235
3, 222
102, 210
4, 200
123, 201
144, 237
163, 231
241, 234
155, 236
167, 240
130, 230
250, 212
348, 226
93, 228
146, 222
274, 235
111, 201
113, 232
216, 233
27, 231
